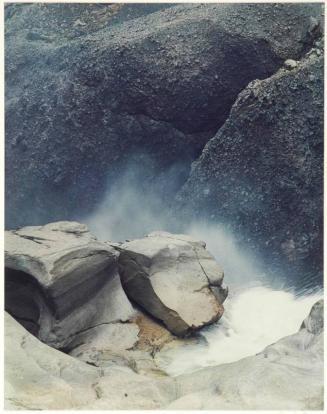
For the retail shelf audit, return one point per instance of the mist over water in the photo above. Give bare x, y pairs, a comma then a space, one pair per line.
135, 205
259, 309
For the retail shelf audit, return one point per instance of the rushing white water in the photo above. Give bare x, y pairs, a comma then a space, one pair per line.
253, 318
259, 309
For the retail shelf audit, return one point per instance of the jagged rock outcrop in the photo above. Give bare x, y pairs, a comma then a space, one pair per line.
314, 323
173, 278
61, 282
286, 375
86, 96
262, 173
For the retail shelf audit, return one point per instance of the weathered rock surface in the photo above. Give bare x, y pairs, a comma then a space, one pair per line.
262, 173
132, 344
173, 278
314, 323
40, 377
74, 20
286, 375
61, 282
63, 286
110, 92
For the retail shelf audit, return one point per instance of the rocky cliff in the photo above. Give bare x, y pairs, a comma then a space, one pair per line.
93, 89
262, 173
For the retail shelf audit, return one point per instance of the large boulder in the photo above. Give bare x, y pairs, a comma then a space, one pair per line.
61, 282
262, 174
89, 92
63, 285
173, 278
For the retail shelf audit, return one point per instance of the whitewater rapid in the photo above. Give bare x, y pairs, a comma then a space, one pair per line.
259, 310
254, 318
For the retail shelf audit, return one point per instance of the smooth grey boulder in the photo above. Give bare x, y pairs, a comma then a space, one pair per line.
131, 344
262, 173
149, 91
61, 281
286, 375
173, 278
38, 377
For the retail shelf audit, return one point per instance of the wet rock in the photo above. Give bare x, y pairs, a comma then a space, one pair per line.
262, 173
61, 282
171, 277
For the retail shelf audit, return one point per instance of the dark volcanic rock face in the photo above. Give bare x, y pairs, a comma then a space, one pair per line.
262, 173
92, 88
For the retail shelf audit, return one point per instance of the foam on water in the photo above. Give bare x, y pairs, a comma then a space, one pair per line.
259, 309
253, 319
